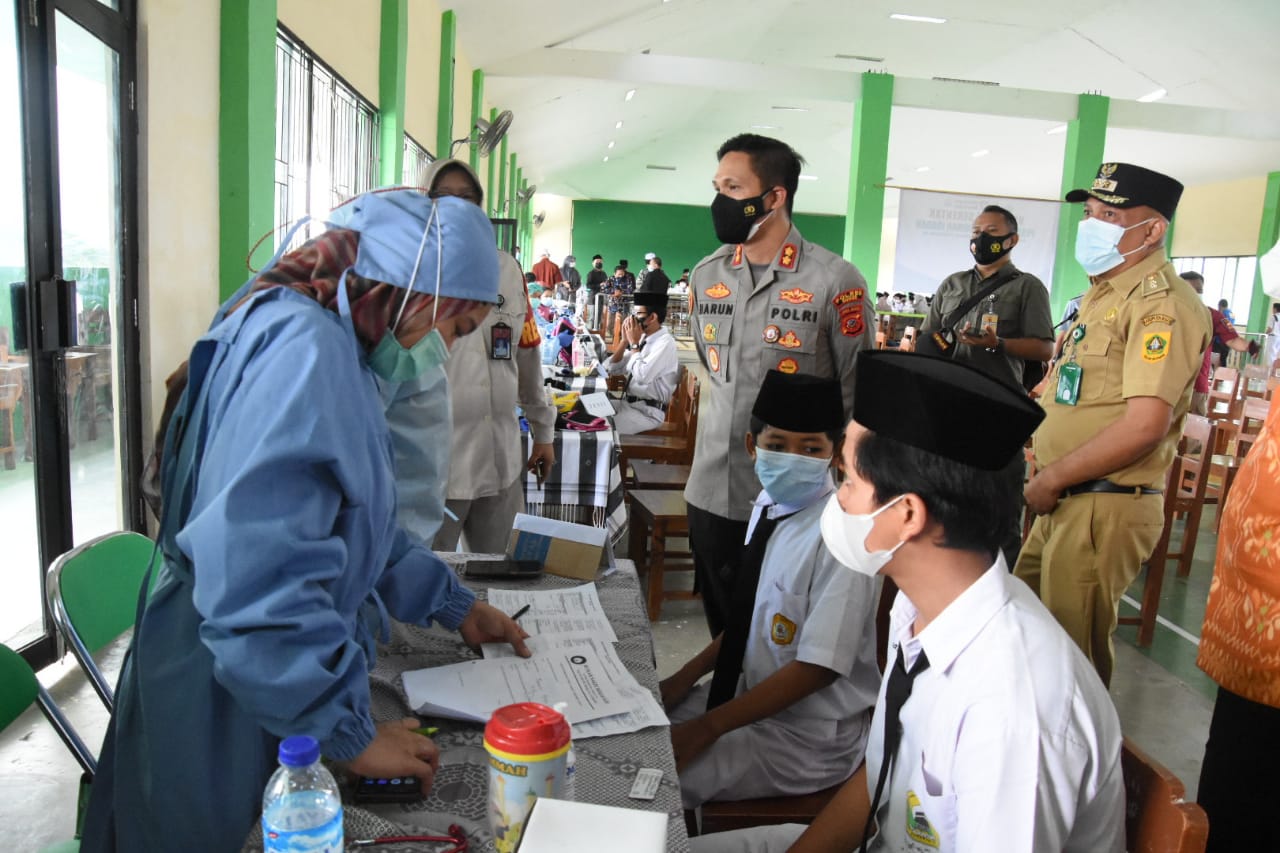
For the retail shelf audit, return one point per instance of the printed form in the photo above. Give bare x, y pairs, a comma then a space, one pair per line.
576, 610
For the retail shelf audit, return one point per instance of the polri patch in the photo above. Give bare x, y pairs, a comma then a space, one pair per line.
719, 290
783, 630
849, 304
788, 365
771, 334
1155, 346
1157, 318
713, 359
796, 296
790, 340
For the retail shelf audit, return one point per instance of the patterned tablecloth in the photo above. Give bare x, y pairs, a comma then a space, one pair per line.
606, 767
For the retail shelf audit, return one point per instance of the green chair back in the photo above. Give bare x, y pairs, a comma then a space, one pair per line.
18, 686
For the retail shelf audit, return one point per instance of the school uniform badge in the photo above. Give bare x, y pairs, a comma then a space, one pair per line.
1155, 346
719, 290
783, 630
918, 827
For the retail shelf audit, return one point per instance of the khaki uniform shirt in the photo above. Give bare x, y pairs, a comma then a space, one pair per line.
486, 456
808, 313
1021, 304
1141, 334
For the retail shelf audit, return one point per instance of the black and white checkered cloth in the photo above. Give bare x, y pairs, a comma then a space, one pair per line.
584, 485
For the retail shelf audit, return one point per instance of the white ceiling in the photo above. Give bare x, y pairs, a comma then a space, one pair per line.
564, 66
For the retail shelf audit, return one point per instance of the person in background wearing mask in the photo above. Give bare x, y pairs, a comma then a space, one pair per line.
1223, 333
655, 280
546, 308
279, 556
767, 299
490, 373
645, 365
991, 731
788, 709
596, 278
1114, 405
569, 270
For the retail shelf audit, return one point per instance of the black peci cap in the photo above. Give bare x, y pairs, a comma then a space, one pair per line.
799, 402
596, 258
650, 300
1125, 185
943, 407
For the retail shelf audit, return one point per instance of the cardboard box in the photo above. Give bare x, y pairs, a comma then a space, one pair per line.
565, 549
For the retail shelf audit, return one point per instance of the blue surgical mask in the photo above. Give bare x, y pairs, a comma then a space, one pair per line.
790, 478
1098, 242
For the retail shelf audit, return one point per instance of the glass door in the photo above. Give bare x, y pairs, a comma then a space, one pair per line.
76, 427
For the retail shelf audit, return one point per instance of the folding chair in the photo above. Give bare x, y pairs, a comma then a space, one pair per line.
93, 596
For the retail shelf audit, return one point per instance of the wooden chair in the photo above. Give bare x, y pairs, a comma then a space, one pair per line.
655, 516
676, 448
742, 814
646, 474
1253, 414
1192, 485
1146, 618
1224, 398
1157, 817
1253, 379
908, 343
1272, 384
674, 424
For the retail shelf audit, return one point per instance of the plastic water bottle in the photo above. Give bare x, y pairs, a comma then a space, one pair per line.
301, 807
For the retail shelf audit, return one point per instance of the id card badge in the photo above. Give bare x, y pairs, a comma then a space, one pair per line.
1068, 391
500, 342
990, 321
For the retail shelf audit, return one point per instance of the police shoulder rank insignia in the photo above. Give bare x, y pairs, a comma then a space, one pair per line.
771, 334
737, 255
789, 340
796, 296
787, 260
849, 304
918, 826
783, 630
719, 290
788, 365
1155, 346
713, 359
709, 333
1154, 284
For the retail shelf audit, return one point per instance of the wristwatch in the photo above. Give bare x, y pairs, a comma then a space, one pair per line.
999, 347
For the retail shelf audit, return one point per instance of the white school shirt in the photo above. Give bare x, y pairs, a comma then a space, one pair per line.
653, 368
1010, 741
811, 608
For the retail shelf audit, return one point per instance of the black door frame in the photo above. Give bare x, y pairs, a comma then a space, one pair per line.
117, 29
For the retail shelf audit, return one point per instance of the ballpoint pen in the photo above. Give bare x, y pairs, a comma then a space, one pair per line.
515, 617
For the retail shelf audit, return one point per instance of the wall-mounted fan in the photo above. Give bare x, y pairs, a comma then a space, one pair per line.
539, 218
526, 193
486, 135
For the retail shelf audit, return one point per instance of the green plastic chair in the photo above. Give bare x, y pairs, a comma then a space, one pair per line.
93, 596
18, 689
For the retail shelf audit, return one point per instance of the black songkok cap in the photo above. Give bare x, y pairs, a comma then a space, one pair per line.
943, 407
595, 258
650, 300
799, 402
1126, 185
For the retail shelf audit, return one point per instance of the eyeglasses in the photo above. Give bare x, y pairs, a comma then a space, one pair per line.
465, 196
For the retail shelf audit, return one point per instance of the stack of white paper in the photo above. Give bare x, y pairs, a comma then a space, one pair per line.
576, 610
558, 825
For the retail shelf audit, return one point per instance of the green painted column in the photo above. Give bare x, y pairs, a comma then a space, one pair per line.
1268, 233
477, 109
444, 110
868, 166
500, 202
246, 136
513, 185
1086, 138
392, 55
491, 189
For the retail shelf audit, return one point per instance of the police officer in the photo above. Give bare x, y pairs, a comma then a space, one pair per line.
767, 299
1114, 403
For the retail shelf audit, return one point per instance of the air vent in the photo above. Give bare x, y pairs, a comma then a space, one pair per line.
859, 58
962, 80
661, 168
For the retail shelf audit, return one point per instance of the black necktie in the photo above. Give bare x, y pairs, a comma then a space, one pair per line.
895, 696
737, 628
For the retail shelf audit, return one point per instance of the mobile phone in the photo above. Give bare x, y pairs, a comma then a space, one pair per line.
503, 568
400, 789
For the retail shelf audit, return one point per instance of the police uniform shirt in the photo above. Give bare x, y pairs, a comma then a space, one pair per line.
486, 456
1022, 305
653, 368
812, 609
1010, 742
807, 313
1141, 334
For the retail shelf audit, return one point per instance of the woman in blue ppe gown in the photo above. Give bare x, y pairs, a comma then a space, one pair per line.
280, 559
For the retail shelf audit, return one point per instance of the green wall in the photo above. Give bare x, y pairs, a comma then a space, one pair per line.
681, 234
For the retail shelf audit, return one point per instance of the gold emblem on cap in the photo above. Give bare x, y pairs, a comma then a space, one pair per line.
1107, 170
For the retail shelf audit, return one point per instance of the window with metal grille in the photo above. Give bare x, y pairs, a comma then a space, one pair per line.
326, 137
1229, 278
416, 158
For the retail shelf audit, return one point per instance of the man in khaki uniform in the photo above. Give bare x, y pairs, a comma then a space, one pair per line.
1114, 405
766, 299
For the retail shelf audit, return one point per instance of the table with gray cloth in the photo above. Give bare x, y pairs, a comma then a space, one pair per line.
606, 767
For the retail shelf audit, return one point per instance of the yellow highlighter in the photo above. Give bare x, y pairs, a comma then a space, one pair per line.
427, 730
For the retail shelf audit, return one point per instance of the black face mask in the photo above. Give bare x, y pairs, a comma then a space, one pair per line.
733, 217
598, 266
989, 248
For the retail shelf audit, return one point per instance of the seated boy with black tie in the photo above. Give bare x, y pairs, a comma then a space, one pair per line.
788, 708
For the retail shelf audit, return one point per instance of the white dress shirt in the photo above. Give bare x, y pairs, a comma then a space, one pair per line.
1010, 741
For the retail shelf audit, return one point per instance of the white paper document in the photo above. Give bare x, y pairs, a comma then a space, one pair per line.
576, 610
558, 825
598, 404
643, 711
473, 690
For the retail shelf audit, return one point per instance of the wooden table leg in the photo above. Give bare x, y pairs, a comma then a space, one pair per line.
657, 560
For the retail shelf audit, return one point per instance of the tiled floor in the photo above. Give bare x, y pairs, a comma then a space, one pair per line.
1164, 704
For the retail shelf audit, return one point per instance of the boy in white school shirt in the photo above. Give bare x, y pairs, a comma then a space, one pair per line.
787, 710
1003, 738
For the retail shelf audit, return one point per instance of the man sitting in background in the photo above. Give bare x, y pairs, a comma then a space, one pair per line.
644, 365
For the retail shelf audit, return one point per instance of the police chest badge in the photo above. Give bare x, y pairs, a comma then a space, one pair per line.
709, 333
782, 631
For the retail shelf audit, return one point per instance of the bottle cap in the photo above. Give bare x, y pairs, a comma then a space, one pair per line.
526, 728
299, 751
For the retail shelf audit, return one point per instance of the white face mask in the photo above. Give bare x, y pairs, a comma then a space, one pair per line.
845, 536
1098, 242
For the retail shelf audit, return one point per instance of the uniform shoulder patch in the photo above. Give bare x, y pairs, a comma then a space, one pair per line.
918, 825
1155, 346
849, 305
1154, 285
1158, 318
783, 630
